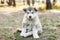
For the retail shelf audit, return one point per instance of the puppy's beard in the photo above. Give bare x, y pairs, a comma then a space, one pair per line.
30, 19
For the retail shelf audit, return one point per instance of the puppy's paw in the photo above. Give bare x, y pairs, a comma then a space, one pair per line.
25, 35
36, 36
21, 34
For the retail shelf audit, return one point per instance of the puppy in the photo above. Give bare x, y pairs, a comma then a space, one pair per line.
31, 24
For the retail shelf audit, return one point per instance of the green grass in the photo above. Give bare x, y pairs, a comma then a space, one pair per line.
48, 34
18, 37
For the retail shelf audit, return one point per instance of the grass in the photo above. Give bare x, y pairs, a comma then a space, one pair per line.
14, 20
58, 25
5, 34
48, 34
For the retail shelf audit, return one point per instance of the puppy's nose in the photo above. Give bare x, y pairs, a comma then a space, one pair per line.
29, 16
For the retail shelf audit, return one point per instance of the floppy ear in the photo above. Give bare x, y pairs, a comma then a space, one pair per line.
24, 10
35, 9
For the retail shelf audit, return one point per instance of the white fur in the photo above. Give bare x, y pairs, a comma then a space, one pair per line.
35, 24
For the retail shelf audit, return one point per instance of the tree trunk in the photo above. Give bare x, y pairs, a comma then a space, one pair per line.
48, 4
54, 1
28, 2
13, 3
2, 1
33, 2
24, 2
9, 2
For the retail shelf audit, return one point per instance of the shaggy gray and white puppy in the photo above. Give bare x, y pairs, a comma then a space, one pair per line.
31, 24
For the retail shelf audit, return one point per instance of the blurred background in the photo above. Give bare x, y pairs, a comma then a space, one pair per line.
20, 4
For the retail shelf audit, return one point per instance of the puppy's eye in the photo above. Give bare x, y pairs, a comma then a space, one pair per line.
32, 12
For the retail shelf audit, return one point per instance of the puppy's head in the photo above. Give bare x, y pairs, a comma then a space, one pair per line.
30, 12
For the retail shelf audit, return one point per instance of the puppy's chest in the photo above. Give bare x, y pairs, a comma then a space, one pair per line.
30, 23
29, 26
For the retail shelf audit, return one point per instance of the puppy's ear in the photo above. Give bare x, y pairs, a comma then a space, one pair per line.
24, 10
35, 9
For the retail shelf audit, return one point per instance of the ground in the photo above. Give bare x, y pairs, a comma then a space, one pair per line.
10, 21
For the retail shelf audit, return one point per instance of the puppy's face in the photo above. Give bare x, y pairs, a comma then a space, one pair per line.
30, 13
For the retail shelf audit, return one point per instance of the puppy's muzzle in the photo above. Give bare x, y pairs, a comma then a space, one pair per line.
29, 16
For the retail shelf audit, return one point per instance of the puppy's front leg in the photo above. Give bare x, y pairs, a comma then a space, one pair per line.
35, 32
28, 34
40, 28
23, 31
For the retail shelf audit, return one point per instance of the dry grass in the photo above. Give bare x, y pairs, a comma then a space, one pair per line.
10, 22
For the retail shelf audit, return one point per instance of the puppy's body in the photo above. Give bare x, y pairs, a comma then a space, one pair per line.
31, 24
